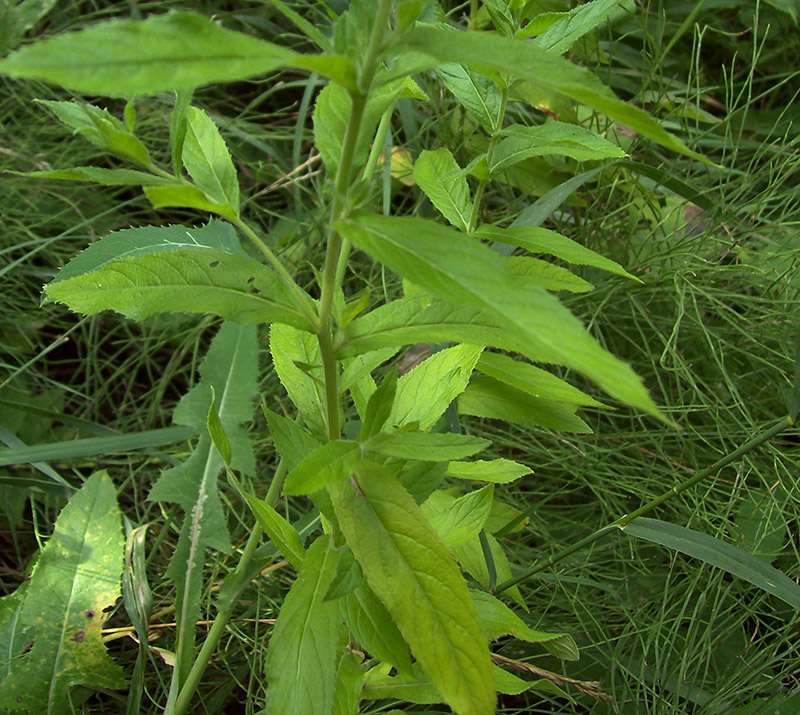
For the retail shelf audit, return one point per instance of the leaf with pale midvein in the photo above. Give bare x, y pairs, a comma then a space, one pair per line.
458, 519
279, 530
303, 651
426, 446
409, 569
185, 195
76, 578
441, 178
564, 32
187, 280
207, 159
498, 471
533, 271
332, 461
479, 95
178, 50
231, 368
546, 70
464, 271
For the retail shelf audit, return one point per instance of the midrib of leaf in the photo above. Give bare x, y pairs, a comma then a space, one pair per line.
478, 94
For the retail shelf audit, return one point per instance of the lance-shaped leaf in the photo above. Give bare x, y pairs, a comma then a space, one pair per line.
409, 569
76, 578
302, 654
106, 177
441, 178
291, 440
549, 71
479, 95
231, 368
427, 446
458, 519
279, 530
330, 462
208, 161
464, 271
124, 58
186, 280
188, 196
498, 471
565, 31
535, 272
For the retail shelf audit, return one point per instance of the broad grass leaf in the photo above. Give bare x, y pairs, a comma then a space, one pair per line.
208, 161
186, 280
303, 651
536, 272
458, 519
409, 569
440, 378
498, 471
559, 138
543, 240
441, 178
533, 380
463, 271
98, 175
332, 461
426, 446
231, 368
721, 554
290, 347
374, 629
542, 68
279, 530
124, 58
487, 397
76, 578
479, 95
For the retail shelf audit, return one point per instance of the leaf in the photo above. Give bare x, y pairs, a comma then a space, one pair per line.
349, 683
13, 633
231, 368
379, 407
208, 161
413, 575
188, 196
291, 440
374, 629
532, 380
186, 280
421, 478
498, 471
303, 651
546, 70
718, 553
331, 462
564, 32
560, 138
499, 620
18, 18
76, 578
546, 275
487, 397
288, 347
473, 560
463, 271
441, 178
106, 177
457, 520
347, 578
760, 525
279, 531
542, 240
428, 446
124, 58
440, 378
479, 95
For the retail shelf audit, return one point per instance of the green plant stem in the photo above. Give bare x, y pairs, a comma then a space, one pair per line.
339, 209
239, 582
303, 298
620, 523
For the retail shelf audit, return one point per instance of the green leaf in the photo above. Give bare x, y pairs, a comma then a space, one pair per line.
542, 68
303, 651
411, 572
188, 196
440, 378
559, 138
463, 271
499, 620
19, 17
487, 397
498, 471
124, 58
441, 178
291, 440
177, 127
289, 347
542, 240
479, 95
13, 633
231, 368
564, 32
100, 128
331, 462
347, 578
533, 380
374, 629
106, 177
457, 520
718, 553
208, 161
379, 407
794, 400
280, 531
760, 524
428, 446
217, 432
186, 280
349, 683
421, 478
546, 275
473, 560
76, 578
